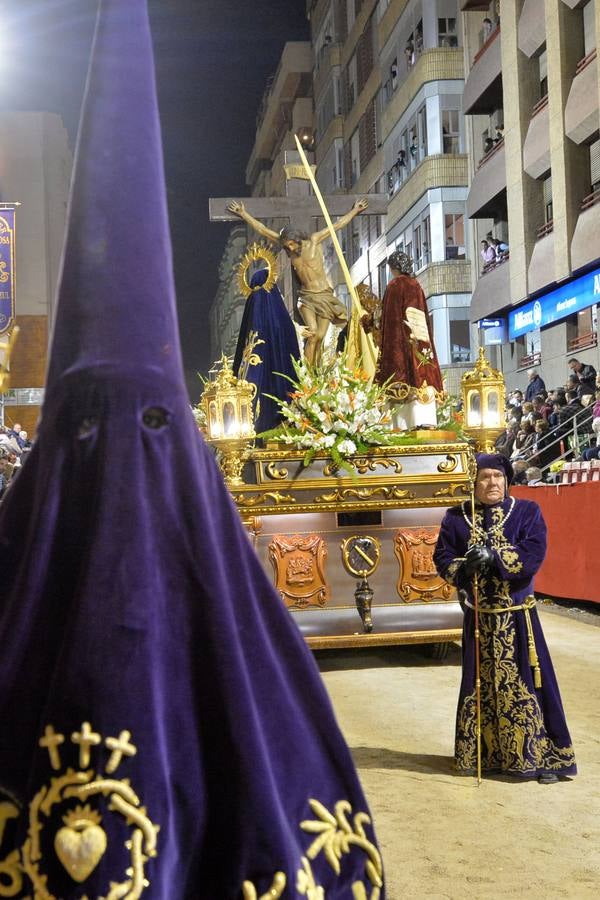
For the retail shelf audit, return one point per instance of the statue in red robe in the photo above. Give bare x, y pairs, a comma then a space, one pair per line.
407, 352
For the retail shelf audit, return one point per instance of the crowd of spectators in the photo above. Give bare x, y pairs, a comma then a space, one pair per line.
14, 447
545, 426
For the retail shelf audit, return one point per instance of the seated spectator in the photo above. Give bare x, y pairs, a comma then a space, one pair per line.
499, 135
520, 467
527, 413
568, 412
523, 442
9, 441
545, 447
594, 451
596, 407
488, 28
536, 384
573, 385
488, 255
542, 406
553, 418
585, 375
533, 475
505, 442
488, 144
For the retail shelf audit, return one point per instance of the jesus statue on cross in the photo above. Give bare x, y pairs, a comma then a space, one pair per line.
317, 303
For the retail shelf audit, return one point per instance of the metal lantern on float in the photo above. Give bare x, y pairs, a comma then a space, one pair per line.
483, 395
227, 404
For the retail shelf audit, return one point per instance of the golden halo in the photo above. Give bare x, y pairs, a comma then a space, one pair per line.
252, 254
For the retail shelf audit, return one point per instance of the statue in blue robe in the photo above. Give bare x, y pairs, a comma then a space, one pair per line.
523, 727
265, 313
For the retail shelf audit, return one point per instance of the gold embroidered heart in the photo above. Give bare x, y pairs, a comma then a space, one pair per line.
80, 848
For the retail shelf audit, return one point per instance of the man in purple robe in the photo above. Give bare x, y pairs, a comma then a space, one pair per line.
164, 732
523, 727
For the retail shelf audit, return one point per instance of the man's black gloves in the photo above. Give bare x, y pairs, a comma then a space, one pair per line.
478, 559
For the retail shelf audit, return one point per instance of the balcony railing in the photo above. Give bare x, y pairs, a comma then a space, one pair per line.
583, 341
539, 106
497, 145
495, 263
591, 199
548, 228
494, 34
585, 61
530, 361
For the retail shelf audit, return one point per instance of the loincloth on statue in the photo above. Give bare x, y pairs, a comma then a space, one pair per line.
325, 305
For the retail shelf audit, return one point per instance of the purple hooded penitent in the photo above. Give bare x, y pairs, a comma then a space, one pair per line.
164, 732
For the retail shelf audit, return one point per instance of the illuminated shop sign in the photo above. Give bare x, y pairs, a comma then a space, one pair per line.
558, 304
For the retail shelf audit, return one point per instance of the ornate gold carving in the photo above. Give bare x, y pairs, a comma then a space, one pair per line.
277, 497
299, 564
364, 464
452, 489
387, 493
254, 253
361, 554
449, 465
82, 842
275, 473
418, 579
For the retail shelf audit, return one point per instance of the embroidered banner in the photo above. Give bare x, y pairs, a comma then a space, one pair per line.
7, 268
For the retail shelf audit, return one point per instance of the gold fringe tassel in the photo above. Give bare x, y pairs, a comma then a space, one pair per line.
533, 657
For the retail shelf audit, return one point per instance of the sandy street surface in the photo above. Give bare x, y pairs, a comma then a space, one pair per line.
441, 835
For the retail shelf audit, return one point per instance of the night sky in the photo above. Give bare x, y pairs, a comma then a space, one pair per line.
212, 59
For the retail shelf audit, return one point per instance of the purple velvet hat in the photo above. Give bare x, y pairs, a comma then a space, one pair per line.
165, 732
496, 461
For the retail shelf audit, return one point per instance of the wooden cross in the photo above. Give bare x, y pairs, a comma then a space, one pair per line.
300, 211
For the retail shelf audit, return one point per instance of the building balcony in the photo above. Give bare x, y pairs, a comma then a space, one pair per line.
329, 59
488, 185
492, 291
435, 171
435, 64
467, 5
335, 129
536, 149
292, 79
389, 19
483, 87
581, 111
541, 264
447, 277
584, 246
531, 36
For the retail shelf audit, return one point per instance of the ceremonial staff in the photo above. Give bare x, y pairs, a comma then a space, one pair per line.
473, 473
367, 341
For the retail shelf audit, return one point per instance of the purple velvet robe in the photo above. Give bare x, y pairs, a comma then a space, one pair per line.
164, 731
523, 725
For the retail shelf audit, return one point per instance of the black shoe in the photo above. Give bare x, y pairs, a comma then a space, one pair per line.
548, 778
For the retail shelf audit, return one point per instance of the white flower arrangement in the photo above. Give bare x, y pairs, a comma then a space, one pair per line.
335, 409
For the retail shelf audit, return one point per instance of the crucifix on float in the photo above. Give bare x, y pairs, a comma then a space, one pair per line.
317, 302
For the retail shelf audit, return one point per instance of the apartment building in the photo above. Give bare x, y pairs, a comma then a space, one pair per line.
35, 171
286, 109
531, 104
388, 84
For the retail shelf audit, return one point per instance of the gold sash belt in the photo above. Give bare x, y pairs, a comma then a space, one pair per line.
526, 606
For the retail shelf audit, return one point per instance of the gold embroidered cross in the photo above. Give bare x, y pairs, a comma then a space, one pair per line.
52, 741
120, 747
86, 738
